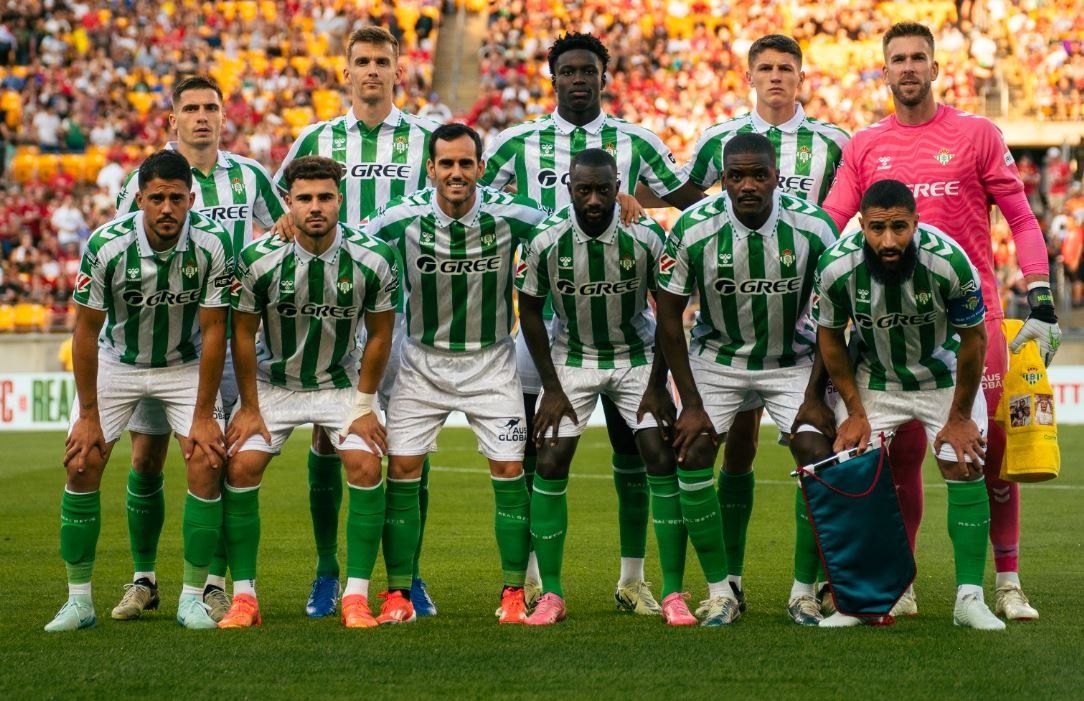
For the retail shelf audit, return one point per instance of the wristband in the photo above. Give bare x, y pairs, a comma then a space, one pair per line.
1041, 301
364, 404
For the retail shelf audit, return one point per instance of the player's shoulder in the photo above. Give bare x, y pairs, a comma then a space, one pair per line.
932, 242
697, 221
263, 251
847, 251
827, 130
202, 228
122, 228
309, 133
550, 230
246, 163
361, 247
632, 129
424, 123
804, 213
523, 130
872, 132
721, 132
502, 202
406, 206
646, 229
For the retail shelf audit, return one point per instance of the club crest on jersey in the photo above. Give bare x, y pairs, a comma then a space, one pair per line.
237, 185
804, 154
610, 149
787, 257
344, 285
564, 262
627, 263
190, 270
923, 298
489, 238
133, 273
400, 144
546, 149
943, 156
884, 162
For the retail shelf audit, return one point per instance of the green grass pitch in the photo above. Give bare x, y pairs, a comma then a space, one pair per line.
463, 653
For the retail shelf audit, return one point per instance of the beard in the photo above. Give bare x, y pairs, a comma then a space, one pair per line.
914, 100
892, 276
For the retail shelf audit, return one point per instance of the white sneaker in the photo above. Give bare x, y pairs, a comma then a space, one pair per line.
972, 612
840, 620
76, 613
637, 598
193, 614
906, 606
1011, 603
804, 610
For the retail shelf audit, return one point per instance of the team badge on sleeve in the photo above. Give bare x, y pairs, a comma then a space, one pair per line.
666, 263
521, 269
82, 283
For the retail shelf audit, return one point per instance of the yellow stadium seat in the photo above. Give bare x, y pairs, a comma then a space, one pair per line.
23, 167
141, 102
247, 9
75, 165
302, 63
298, 118
46, 165
269, 10
327, 103
7, 318
28, 317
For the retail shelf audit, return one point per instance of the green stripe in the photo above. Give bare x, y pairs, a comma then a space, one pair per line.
566, 249
897, 339
131, 312
627, 248
310, 356
190, 312
160, 331
338, 154
344, 328
728, 346
491, 293
596, 265
788, 262
457, 249
547, 142
430, 316
287, 326
400, 138
757, 262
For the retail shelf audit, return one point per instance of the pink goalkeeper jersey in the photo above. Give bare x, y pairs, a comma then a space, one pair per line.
957, 165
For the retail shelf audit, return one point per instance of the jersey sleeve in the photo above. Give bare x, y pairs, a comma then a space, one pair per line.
831, 306
661, 173
305, 145
501, 158
674, 270
846, 193
963, 298
219, 281
126, 202
704, 169
532, 273
268, 206
247, 294
91, 282
382, 285
656, 244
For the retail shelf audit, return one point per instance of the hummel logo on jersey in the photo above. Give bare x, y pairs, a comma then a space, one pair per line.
133, 273
597, 289
459, 266
136, 298
943, 156
627, 263
82, 282
564, 262
787, 257
512, 432
546, 149
757, 286
884, 162
725, 258
428, 237
286, 286
339, 142
320, 311
863, 295
190, 271
344, 285
923, 298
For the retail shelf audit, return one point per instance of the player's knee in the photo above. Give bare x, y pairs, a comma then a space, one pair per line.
809, 447
700, 454
362, 468
656, 453
554, 460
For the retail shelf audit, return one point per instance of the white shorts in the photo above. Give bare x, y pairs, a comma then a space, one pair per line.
122, 387
726, 391
150, 417
624, 386
283, 410
482, 384
525, 367
888, 410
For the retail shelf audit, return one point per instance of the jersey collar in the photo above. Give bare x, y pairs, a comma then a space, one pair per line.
329, 256
566, 127
145, 250
741, 231
608, 236
790, 126
469, 219
392, 120
223, 157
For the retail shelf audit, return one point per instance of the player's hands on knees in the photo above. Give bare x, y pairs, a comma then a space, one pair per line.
284, 228
370, 430
815, 412
206, 437
552, 408
658, 402
964, 437
854, 432
630, 209
692, 425
86, 436
245, 423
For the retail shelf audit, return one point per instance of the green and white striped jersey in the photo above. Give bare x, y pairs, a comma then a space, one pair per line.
236, 194
599, 288
382, 163
808, 152
458, 272
535, 156
754, 285
907, 330
152, 299
311, 306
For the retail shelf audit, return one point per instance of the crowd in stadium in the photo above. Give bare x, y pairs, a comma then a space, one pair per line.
84, 88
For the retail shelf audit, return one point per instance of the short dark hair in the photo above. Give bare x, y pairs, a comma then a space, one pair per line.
312, 168
451, 132
166, 164
195, 82
372, 35
593, 158
885, 194
907, 29
749, 142
777, 42
574, 41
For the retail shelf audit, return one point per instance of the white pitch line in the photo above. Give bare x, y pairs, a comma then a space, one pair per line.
594, 476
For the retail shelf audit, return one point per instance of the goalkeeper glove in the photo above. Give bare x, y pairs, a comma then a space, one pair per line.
1041, 325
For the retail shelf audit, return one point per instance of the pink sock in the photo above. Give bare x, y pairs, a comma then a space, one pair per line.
908, 450
1004, 504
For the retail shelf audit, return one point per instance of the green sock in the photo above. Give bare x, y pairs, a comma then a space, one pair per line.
423, 514
549, 523
364, 526
670, 533
201, 528
511, 523
219, 563
401, 530
736, 507
807, 560
529, 462
700, 508
969, 528
241, 515
325, 498
146, 504
80, 524
630, 480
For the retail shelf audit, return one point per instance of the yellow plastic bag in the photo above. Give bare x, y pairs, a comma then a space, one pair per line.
1026, 411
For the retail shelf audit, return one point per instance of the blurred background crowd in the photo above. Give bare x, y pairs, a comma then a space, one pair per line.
84, 91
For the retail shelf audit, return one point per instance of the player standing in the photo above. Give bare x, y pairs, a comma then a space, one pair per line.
955, 163
159, 281
750, 253
458, 242
808, 152
384, 151
237, 193
535, 156
310, 296
913, 298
